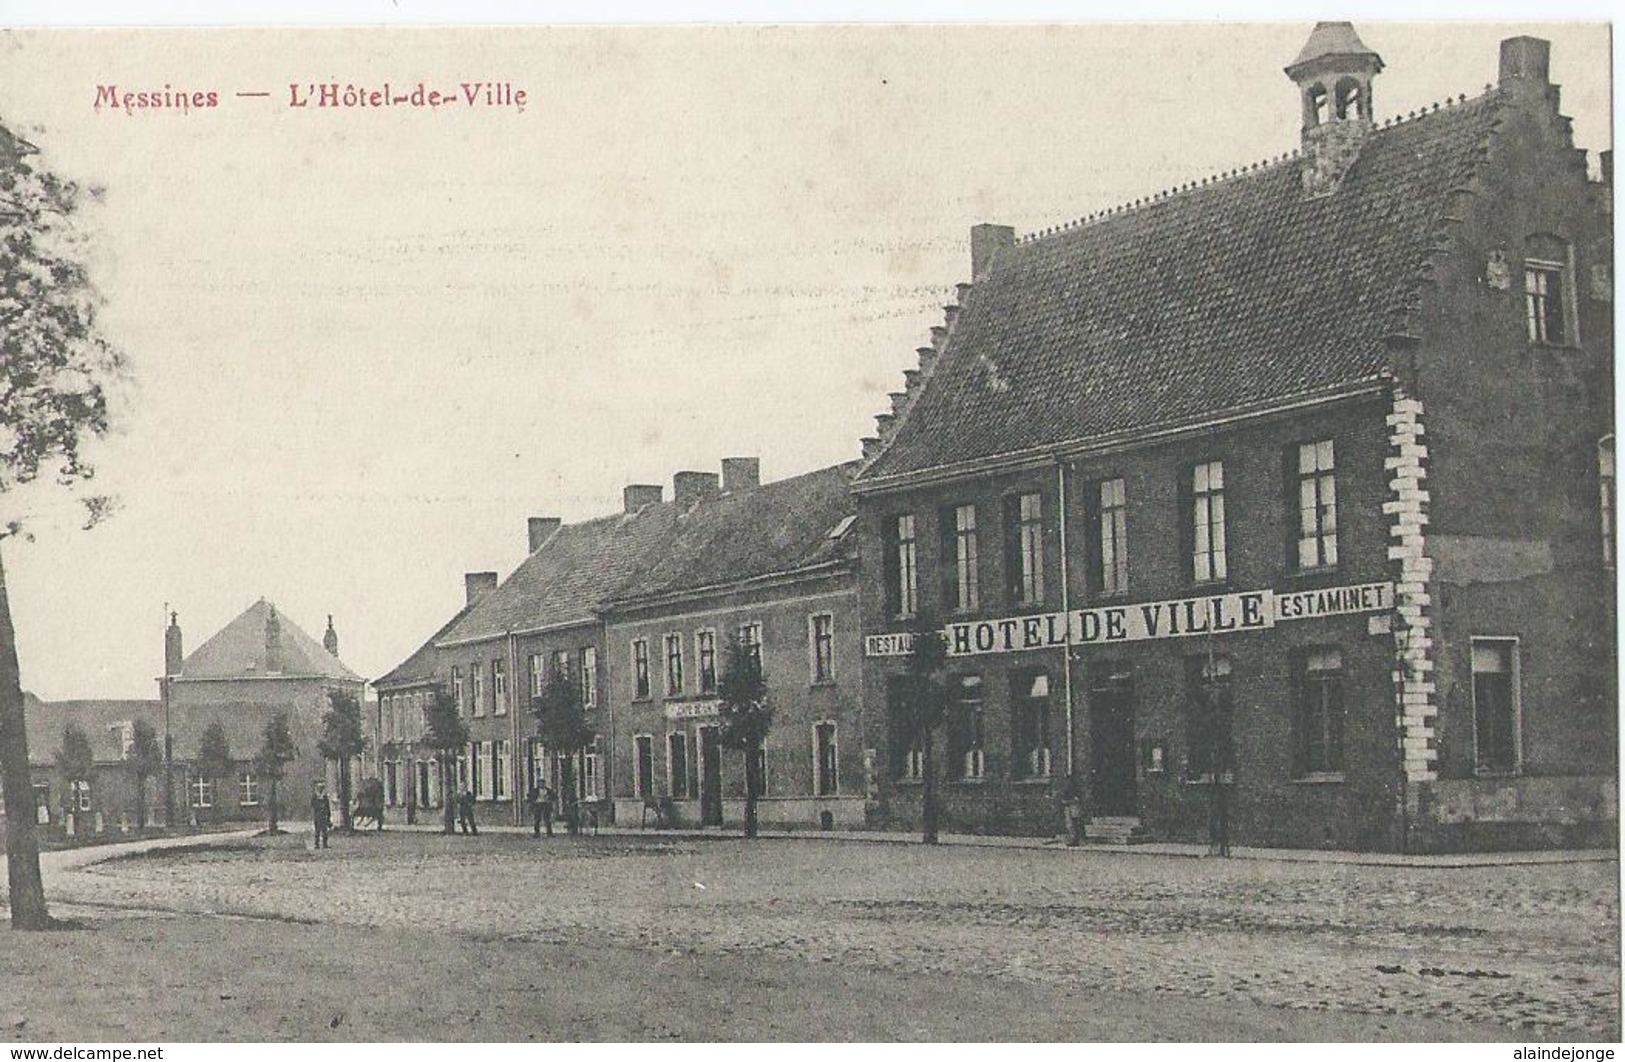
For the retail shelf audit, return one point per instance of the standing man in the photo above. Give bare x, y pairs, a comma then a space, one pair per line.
321, 813
465, 812
541, 809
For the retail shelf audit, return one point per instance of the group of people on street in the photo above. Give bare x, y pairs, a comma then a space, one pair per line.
539, 800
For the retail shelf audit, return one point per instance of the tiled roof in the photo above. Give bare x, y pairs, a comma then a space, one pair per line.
419, 667
581, 566
241, 650
1236, 292
775, 528
1331, 39
244, 725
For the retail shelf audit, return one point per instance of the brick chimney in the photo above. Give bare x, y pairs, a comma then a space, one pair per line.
636, 495
986, 241
741, 473
1525, 63
273, 641
172, 647
541, 528
688, 488
477, 584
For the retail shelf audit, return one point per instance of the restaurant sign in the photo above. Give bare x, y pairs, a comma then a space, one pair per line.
1184, 617
679, 710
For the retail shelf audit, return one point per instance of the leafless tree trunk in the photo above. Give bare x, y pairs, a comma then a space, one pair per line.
28, 909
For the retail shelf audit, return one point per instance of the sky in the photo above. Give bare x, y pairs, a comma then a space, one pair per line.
366, 344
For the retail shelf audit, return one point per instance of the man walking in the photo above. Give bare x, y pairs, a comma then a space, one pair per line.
541, 809
321, 813
465, 812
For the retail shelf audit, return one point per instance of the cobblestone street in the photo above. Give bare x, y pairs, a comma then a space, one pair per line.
1528, 950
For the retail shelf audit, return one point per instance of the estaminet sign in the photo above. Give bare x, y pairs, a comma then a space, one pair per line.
1184, 617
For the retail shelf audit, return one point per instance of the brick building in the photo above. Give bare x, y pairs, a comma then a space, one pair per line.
770, 569
1287, 492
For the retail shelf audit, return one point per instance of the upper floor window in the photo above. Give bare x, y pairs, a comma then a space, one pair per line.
1024, 547
1544, 310
750, 645
457, 688
821, 634
1605, 486
1208, 554
960, 589
901, 561
589, 676
476, 692
674, 665
640, 669
1317, 505
1111, 545
499, 687
537, 674
705, 652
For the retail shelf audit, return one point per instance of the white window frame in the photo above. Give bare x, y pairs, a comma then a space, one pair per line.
750, 638
501, 768
967, 560
813, 640
671, 656
81, 794
1516, 680
908, 557
479, 760
646, 690
702, 637
538, 673
1317, 505
1030, 547
457, 691
1210, 559
248, 789
589, 676
476, 689
201, 791
1535, 325
1113, 496
499, 687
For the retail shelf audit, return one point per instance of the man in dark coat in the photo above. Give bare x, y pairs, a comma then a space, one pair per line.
321, 813
465, 812
541, 809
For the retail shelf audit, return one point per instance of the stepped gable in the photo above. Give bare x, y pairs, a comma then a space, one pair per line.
242, 649
778, 528
1228, 293
565, 581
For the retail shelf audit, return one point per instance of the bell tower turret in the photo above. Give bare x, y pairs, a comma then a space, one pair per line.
1333, 73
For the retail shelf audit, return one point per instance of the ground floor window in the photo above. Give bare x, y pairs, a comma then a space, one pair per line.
967, 754
501, 768
1495, 704
677, 765
644, 778
590, 783
1029, 724
1210, 703
907, 754
81, 795
248, 788
477, 768
428, 783
825, 778
202, 792
1319, 681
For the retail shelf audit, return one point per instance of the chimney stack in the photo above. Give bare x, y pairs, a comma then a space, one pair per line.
688, 488
477, 584
541, 528
741, 473
330, 640
273, 642
172, 647
1525, 61
637, 495
986, 241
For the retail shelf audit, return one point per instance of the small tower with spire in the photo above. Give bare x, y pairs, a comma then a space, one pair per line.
1333, 73
172, 647
330, 640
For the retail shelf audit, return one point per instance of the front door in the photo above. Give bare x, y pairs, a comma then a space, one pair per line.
1111, 744
710, 777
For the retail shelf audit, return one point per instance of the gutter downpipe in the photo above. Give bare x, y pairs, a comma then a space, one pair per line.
1066, 609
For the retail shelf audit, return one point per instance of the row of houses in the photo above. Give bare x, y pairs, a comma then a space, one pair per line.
1288, 492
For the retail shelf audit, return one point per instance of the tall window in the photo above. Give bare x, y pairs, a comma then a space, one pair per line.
248, 788
1320, 711
674, 665
969, 759
1605, 482
81, 795
538, 671
591, 774
561, 664
499, 687
902, 576
1316, 504
501, 767
476, 688
386, 720
457, 688
1495, 704
825, 778
750, 643
960, 589
1111, 561
643, 778
705, 650
1543, 301
1210, 705
479, 763
907, 756
1024, 548
640, 668
1029, 729
677, 764
1207, 523
821, 633
589, 676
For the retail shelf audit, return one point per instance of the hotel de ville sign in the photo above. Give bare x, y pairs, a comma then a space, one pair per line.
1185, 617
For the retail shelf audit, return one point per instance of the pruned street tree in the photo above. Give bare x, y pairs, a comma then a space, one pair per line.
146, 759
925, 707
343, 739
214, 763
277, 750
745, 717
561, 725
56, 370
445, 734
75, 760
